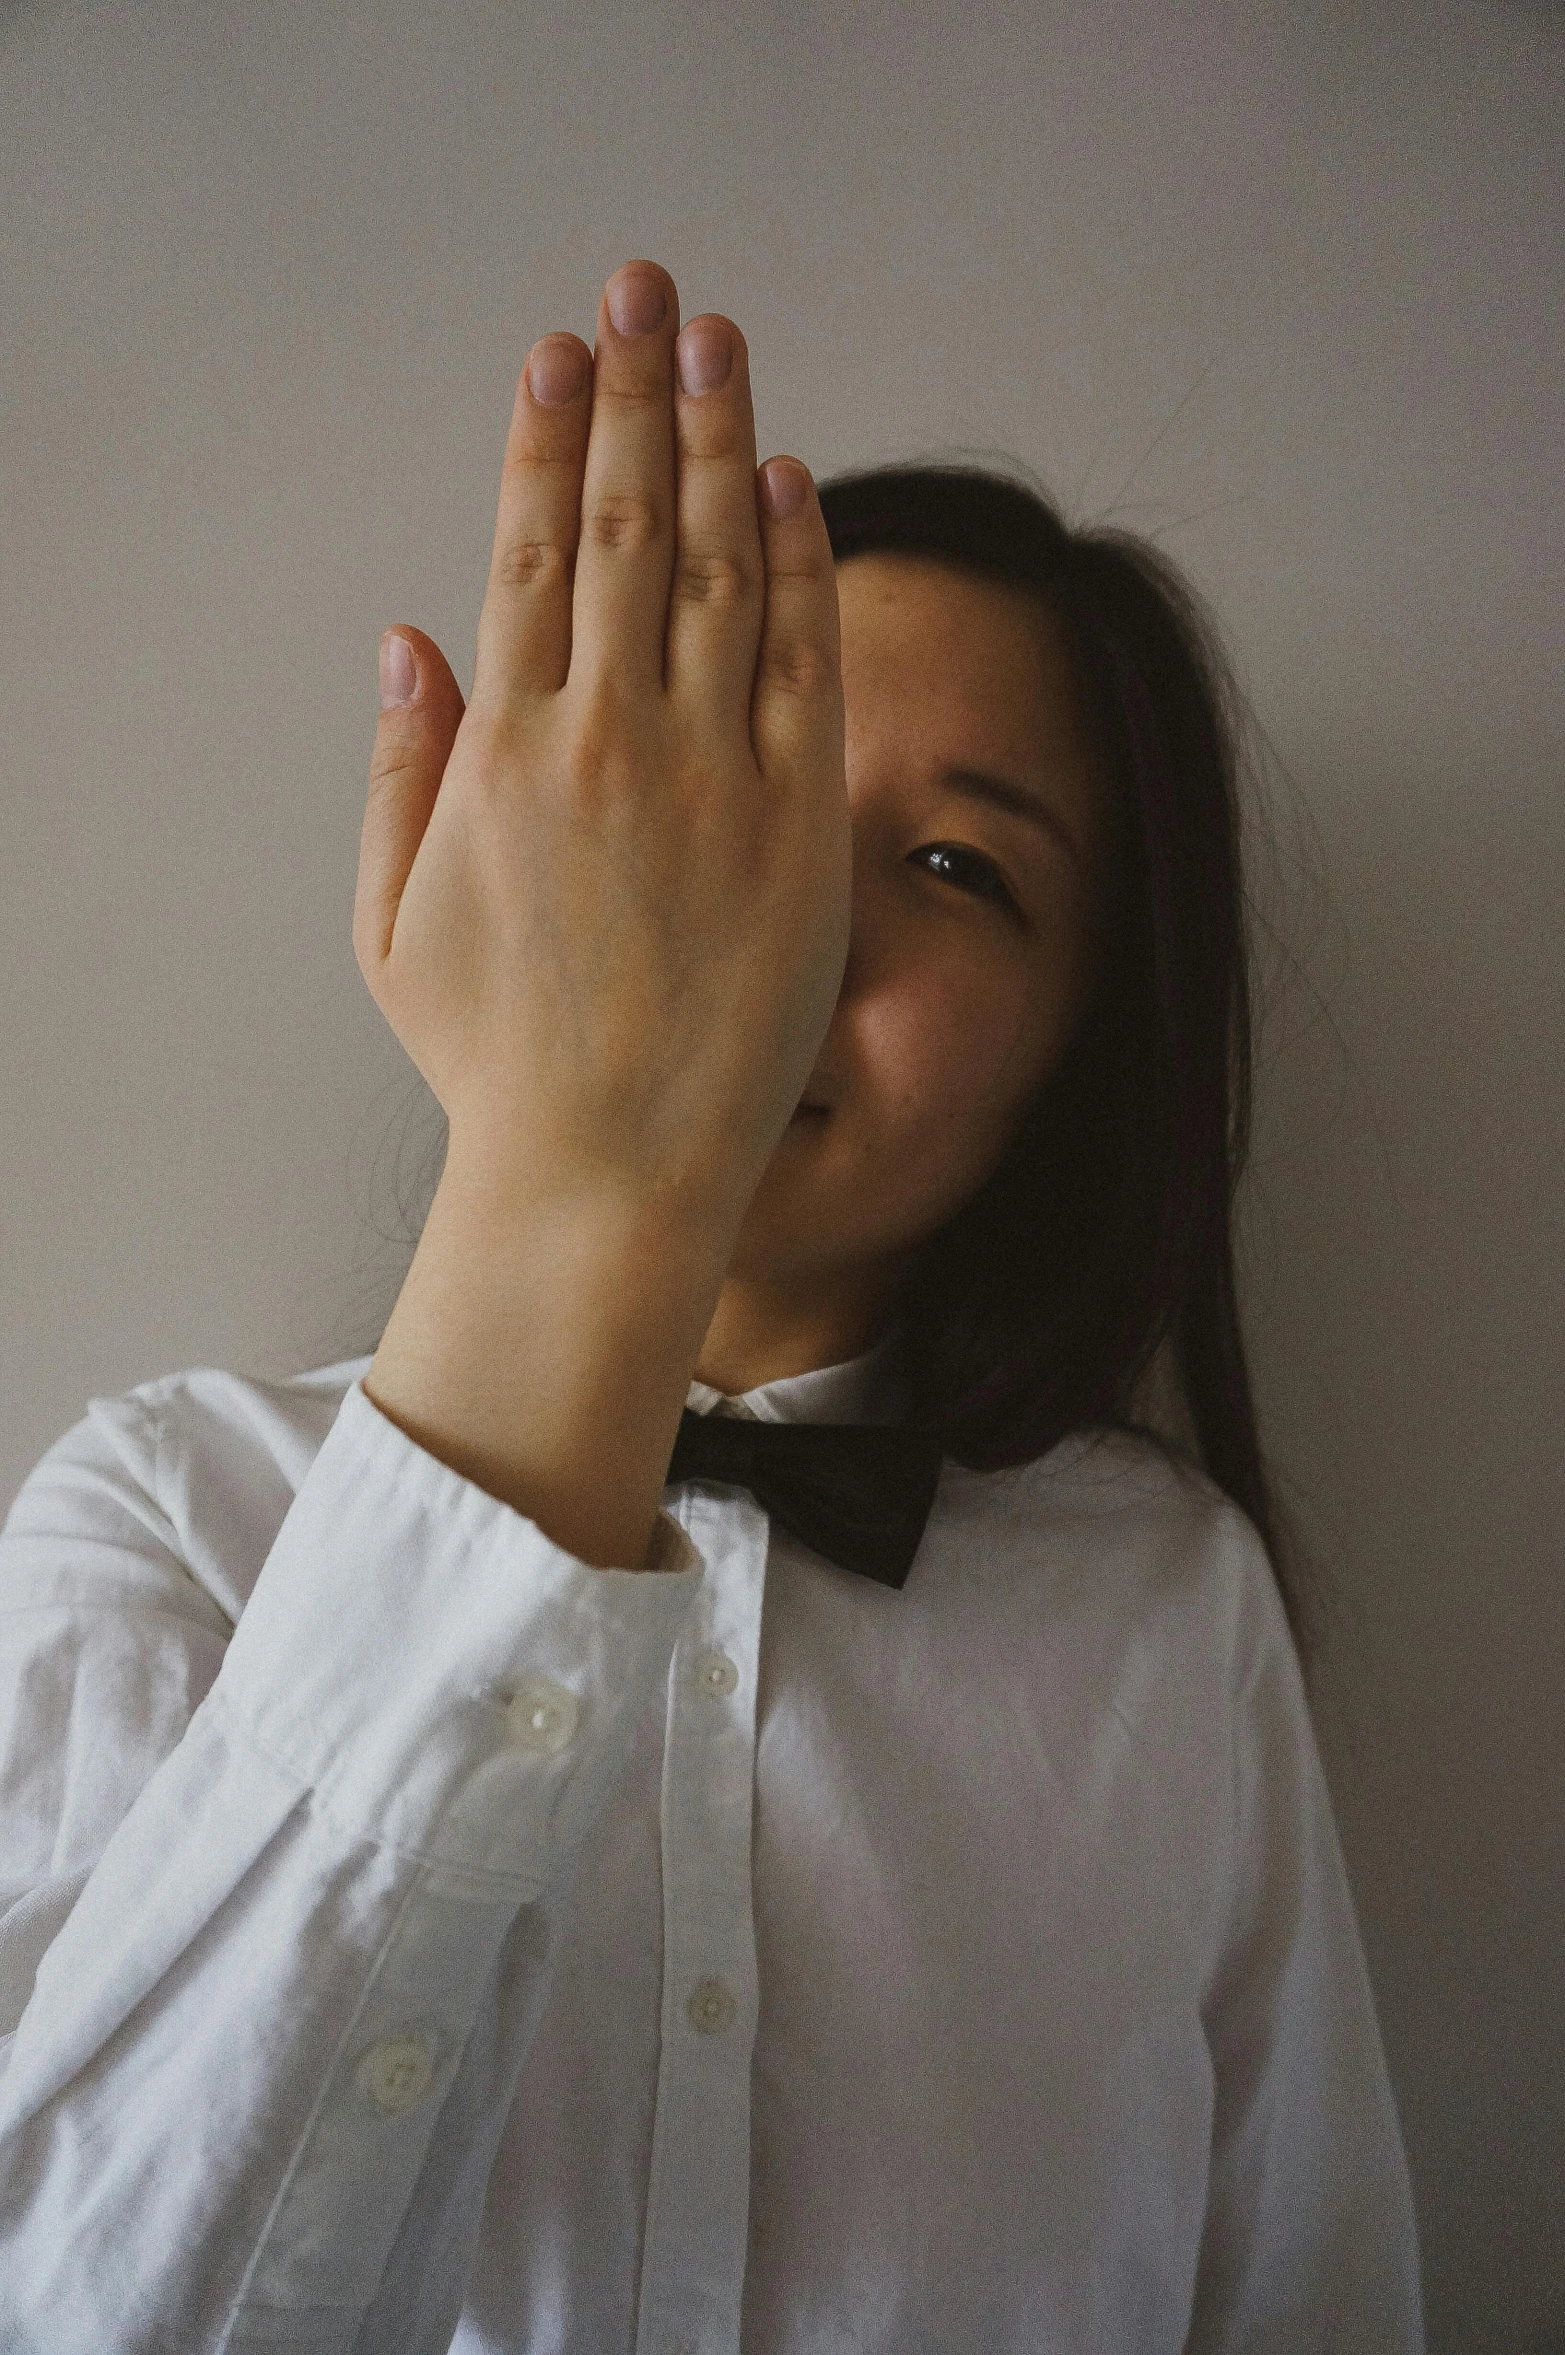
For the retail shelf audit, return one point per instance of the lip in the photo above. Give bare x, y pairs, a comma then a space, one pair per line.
802, 1107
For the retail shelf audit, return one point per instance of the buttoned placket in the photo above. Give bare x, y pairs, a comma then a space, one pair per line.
692, 2271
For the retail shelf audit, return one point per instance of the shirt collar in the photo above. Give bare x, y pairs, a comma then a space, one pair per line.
870, 1388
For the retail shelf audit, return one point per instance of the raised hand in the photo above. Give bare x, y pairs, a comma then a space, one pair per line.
606, 907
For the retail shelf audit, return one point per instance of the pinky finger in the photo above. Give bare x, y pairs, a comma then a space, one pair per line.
796, 707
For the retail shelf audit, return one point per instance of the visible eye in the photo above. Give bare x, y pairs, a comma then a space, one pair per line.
992, 884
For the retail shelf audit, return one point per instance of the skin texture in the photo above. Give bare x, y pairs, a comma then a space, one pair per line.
610, 928
953, 1007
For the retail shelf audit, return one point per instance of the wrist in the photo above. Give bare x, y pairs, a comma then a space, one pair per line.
487, 1187
542, 1346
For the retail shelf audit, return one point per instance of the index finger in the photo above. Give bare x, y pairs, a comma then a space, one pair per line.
524, 630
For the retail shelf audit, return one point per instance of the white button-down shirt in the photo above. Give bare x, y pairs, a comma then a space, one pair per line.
416, 1938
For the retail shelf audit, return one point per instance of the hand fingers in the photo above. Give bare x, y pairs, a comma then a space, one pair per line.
796, 711
524, 630
619, 611
421, 711
716, 595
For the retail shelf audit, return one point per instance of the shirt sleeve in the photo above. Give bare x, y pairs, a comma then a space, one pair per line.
1310, 2244
277, 1900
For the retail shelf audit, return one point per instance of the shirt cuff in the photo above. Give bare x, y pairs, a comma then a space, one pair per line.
443, 1677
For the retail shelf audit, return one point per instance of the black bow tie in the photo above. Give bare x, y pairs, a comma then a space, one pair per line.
859, 1493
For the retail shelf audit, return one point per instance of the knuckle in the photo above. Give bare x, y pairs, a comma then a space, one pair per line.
601, 779
802, 569
496, 746
719, 434
397, 762
534, 564
624, 522
636, 394
369, 946
599, 733
711, 577
795, 666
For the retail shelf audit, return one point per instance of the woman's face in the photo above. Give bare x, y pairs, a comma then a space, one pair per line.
968, 963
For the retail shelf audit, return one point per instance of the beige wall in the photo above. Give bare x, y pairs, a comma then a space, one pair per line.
1283, 286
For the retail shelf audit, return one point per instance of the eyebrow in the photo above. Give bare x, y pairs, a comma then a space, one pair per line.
1002, 794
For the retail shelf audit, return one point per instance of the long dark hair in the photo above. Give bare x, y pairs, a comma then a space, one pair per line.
1105, 1232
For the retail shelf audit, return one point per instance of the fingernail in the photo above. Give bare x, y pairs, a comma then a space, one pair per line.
705, 354
398, 672
556, 371
636, 303
786, 485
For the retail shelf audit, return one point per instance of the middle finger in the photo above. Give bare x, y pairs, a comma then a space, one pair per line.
714, 622
625, 555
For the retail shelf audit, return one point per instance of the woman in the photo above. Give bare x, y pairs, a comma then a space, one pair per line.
445, 1910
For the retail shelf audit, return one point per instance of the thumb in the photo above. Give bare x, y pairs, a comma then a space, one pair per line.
421, 710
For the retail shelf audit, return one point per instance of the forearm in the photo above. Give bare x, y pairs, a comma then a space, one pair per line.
543, 1350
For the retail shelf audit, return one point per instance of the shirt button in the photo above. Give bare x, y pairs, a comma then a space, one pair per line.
396, 2074
712, 2007
716, 1674
542, 1715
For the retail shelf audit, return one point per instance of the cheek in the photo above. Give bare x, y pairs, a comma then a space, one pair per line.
950, 1071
